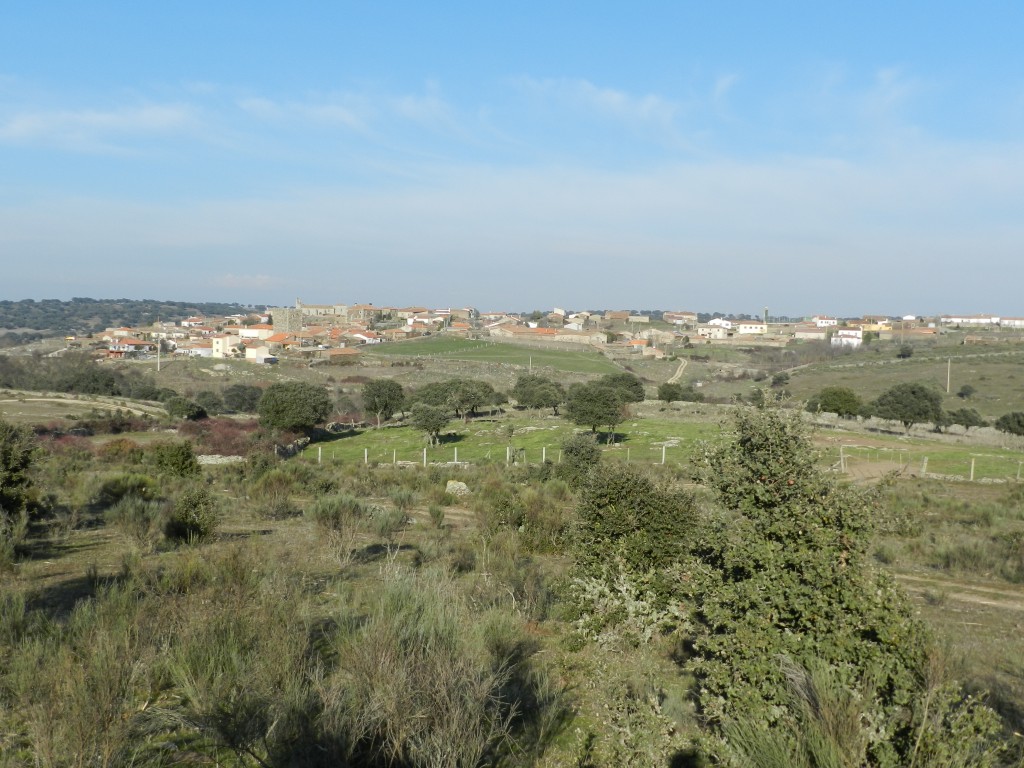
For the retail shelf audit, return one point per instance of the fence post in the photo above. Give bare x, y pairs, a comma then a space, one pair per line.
972, 468
394, 455
543, 454
842, 460
424, 457
366, 455
319, 454
456, 454
627, 454
1018, 469
662, 454
924, 465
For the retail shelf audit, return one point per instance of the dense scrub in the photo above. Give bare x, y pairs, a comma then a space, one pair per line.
586, 613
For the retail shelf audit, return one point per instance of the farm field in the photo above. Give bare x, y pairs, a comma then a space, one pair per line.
439, 348
532, 437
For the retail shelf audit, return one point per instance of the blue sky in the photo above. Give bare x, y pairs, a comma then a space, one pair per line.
709, 156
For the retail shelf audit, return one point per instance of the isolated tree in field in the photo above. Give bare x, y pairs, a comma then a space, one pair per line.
383, 397
467, 396
294, 405
905, 351
966, 391
242, 398
429, 419
595, 405
628, 385
1013, 423
436, 393
669, 393
838, 400
909, 404
532, 391
966, 417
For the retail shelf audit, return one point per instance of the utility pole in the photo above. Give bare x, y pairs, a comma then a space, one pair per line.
949, 372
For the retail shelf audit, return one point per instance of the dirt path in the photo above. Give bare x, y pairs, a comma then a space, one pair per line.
679, 372
1006, 598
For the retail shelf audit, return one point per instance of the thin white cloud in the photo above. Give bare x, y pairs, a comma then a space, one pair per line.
92, 129
723, 86
618, 104
325, 112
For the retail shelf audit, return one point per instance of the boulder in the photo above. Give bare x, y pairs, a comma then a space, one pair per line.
457, 488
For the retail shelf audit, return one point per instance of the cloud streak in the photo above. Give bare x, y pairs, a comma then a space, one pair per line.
96, 129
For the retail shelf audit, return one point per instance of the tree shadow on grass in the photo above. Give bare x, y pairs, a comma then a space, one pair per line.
58, 600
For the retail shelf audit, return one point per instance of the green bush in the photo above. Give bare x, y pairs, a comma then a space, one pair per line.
183, 408
335, 512
194, 517
784, 574
177, 459
114, 489
1012, 423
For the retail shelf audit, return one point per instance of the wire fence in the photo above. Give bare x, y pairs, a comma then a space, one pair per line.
922, 462
671, 452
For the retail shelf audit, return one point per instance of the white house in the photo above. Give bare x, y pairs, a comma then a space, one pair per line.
224, 345
848, 337
824, 321
720, 322
713, 332
748, 328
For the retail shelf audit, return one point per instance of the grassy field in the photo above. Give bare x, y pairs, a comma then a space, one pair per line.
996, 375
42, 408
442, 348
532, 436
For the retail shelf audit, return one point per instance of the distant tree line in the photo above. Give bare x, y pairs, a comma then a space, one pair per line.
83, 315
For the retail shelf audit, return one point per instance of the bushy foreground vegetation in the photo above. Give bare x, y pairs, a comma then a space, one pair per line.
585, 613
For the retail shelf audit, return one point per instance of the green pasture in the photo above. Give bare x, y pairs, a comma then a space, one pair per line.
533, 438
910, 456
442, 348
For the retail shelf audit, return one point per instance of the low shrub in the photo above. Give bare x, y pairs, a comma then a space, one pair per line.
194, 516
142, 487
140, 519
333, 513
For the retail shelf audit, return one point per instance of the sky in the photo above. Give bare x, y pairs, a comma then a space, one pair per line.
842, 158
